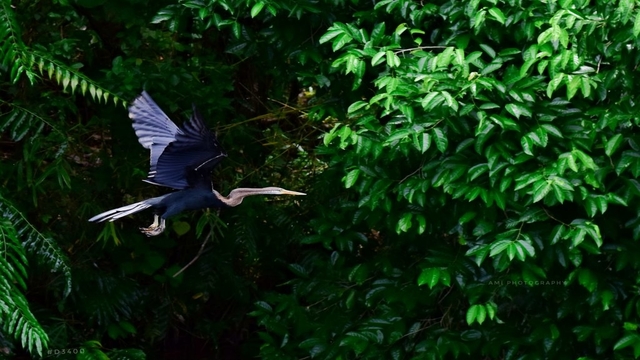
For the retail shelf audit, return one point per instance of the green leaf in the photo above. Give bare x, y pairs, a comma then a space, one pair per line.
404, 224
540, 190
422, 224
351, 178
236, 29
467, 217
527, 145
255, 10
377, 58
378, 32
572, 87
625, 8
554, 83
451, 102
571, 161
612, 144
477, 170
626, 341
587, 279
425, 143
444, 58
550, 129
392, 59
563, 37
593, 231
489, 50
518, 110
577, 236
399, 135
332, 134
526, 245
498, 247
478, 19
511, 250
636, 25
480, 253
492, 309
429, 276
586, 160
340, 41
497, 15
545, 36
505, 122
524, 70
431, 100
481, 314
585, 87
472, 314
330, 34
440, 139
357, 106
491, 68
299, 270
181, 227
459, 57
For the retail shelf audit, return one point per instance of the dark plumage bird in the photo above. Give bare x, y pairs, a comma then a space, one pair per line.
181, 158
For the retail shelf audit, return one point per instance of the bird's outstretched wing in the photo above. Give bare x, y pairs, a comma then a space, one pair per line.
153, 127
192, 156
180, 157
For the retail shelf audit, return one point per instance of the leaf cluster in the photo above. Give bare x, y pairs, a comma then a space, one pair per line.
471, 170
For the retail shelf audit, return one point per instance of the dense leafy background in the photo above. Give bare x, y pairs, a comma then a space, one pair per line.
471, 170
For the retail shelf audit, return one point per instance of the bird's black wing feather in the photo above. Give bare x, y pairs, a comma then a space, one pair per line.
189, 159
153, 127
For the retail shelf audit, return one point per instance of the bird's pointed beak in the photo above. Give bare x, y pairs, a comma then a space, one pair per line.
289, 192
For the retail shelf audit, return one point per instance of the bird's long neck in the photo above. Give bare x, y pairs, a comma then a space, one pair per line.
236, 196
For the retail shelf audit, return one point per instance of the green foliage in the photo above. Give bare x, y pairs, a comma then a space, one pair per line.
489, 171
65, 157
16, 316
471, 170
18, 59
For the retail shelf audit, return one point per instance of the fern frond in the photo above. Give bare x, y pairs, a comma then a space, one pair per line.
104, 298
69, 77
13, 261
92, 349
20, 121
15, 315
157, 327
11, 45
246, 234
17, 59
44, 247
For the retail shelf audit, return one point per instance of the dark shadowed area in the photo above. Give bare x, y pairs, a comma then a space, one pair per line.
470, 169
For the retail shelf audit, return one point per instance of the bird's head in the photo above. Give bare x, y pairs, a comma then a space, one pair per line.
279, 191
235, 196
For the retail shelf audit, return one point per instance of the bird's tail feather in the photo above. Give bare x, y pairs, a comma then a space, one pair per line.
116, 214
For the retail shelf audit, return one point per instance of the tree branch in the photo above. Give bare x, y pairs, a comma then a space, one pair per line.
197, 255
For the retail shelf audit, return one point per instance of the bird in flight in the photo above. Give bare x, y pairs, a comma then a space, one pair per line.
182, 158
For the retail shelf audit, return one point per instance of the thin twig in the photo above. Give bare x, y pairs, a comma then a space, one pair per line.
288, 106
411, 174
418, 48
197, 255
551, 216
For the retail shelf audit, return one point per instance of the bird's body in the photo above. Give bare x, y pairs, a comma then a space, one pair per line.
188, 199
181, 158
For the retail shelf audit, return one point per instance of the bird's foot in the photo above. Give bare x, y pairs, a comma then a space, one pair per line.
154, 229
